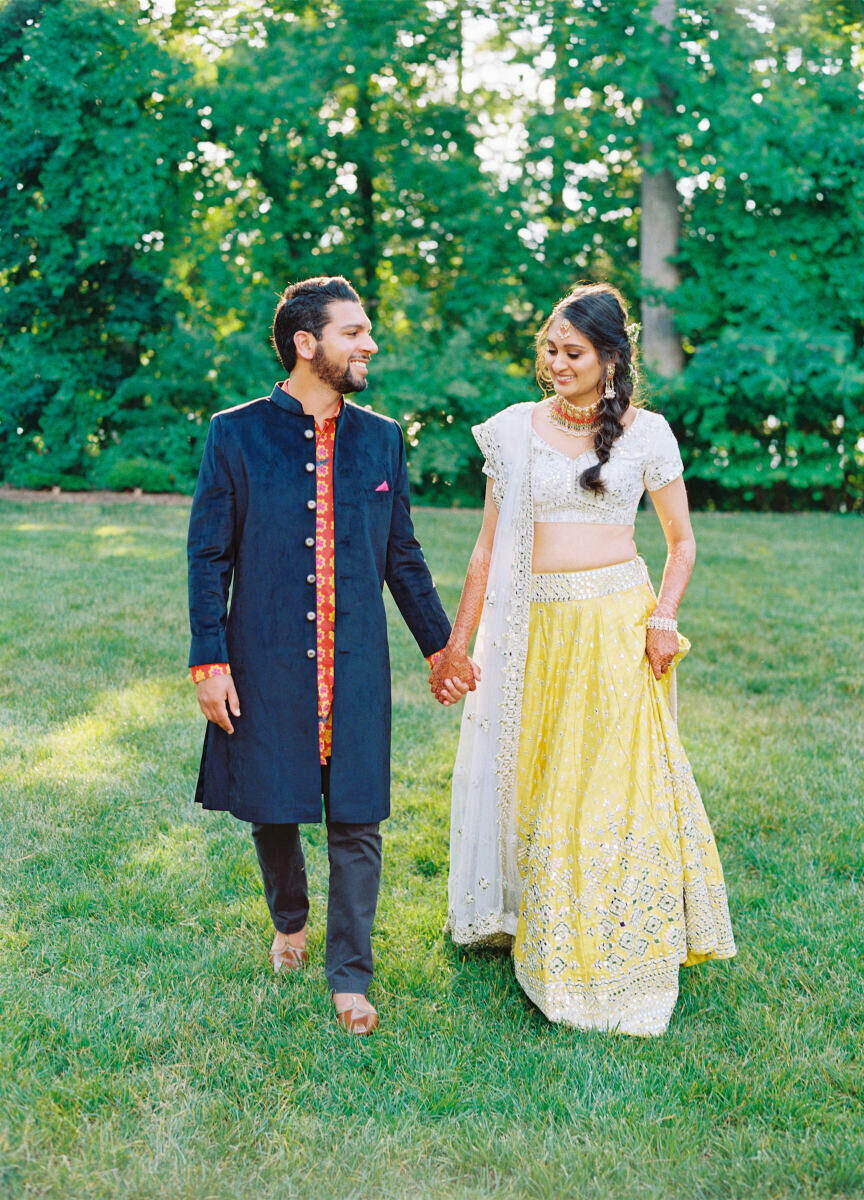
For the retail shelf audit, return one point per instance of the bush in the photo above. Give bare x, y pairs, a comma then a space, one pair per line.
771, 421
144, 473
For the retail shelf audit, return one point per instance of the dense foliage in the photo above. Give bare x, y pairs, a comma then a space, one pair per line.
164, 174
94, 212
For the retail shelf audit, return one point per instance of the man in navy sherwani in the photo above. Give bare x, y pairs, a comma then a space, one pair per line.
302, 512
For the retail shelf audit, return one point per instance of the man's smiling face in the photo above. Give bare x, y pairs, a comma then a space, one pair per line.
346, 345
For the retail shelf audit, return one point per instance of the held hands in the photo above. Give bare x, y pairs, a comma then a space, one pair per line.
661, 646
453, 676
215, 697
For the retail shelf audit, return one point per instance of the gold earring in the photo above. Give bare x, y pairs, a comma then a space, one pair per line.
609, 394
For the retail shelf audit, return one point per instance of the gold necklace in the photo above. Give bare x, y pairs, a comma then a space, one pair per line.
579, 422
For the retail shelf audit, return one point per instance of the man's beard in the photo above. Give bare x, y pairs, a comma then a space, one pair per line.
339, 378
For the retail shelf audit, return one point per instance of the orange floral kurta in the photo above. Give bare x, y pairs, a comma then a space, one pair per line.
325, 580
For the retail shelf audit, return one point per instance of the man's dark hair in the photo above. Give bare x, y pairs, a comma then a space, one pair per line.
305, 306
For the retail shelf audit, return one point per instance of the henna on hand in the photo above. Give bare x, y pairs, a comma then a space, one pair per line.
452, 673
455, 673
661, 646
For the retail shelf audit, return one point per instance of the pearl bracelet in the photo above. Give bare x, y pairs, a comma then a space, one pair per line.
667, 623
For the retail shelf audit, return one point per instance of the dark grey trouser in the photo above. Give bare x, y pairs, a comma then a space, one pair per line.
354, 852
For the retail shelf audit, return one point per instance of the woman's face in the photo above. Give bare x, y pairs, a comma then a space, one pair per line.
573, 364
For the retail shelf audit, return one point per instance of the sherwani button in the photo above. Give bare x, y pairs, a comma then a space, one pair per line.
310, 466
310, 542
310, 616
310, 578
311, 504
308, 433
310, 653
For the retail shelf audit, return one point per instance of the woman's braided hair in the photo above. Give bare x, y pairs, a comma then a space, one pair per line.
599, 312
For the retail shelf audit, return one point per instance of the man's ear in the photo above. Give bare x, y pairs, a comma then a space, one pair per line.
304, 344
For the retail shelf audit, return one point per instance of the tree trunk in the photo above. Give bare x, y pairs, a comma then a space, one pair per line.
661, 227
560, 38
367, 237
459, 16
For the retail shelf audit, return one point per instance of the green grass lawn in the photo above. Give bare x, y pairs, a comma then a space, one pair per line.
148, 1051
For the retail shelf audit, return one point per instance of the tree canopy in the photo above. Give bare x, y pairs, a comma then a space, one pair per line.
167, 172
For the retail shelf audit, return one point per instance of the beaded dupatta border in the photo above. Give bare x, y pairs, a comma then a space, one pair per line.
484, 884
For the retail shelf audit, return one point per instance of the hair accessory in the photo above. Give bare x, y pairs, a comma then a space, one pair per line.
609, 393
633, 330
565, 327
669, 624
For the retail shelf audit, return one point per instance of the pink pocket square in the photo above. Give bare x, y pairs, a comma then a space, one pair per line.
383, 487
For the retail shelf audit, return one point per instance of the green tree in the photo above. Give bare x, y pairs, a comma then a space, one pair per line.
344, 147
95, 120
598, 112
342, 140
165, 176
772, 298
752, 119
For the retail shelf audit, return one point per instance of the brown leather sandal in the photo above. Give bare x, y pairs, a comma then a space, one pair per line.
292, 958
356, 1015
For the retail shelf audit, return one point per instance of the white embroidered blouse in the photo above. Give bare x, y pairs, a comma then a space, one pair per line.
645, 456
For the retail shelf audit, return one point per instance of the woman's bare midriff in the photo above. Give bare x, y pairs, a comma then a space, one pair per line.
570, 546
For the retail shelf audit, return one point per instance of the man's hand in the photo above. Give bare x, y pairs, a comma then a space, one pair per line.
453, 676
215, 697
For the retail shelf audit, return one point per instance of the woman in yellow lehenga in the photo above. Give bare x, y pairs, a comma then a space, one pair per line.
578, 834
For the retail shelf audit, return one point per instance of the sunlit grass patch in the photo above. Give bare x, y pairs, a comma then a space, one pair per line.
147, 1049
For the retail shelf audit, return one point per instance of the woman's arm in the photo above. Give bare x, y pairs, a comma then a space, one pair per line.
670, 503
454, 674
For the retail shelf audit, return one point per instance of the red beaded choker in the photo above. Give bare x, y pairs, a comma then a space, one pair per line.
581, 422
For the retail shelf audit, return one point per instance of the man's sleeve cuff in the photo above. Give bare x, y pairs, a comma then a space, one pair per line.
208, 670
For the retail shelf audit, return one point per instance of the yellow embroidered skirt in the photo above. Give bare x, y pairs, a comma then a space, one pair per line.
621, 881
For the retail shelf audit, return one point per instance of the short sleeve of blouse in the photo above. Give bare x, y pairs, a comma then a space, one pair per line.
487, 439
663, 462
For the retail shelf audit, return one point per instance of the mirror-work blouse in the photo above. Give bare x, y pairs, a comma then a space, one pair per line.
645, 457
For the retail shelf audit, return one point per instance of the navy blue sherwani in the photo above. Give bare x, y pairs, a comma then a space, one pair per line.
253, 525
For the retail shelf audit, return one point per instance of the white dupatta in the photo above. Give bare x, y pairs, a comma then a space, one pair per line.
484, 886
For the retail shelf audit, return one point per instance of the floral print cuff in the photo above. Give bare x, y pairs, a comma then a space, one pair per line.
208, 671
